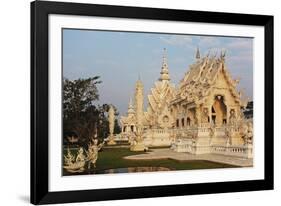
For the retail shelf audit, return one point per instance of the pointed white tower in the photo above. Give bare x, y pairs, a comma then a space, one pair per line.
139, 102
138, 144
164, 69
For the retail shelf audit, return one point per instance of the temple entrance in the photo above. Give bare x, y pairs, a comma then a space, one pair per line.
219, 111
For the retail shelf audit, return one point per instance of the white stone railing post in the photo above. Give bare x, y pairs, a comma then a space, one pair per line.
249, 151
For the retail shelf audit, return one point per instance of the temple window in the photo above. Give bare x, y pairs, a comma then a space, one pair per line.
178, 123
124, 128
182, 122
132, 128
165, 119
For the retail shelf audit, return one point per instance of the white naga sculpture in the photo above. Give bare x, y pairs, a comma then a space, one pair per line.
111, 120
246, 131
92, 153
77, 165
69, 158
228, 136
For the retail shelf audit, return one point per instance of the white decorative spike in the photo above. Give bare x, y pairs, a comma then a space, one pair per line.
197, 56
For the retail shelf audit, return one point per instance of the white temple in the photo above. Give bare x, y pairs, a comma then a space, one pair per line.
203, 114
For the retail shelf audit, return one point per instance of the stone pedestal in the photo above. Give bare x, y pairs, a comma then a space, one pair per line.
111, 140
138, 147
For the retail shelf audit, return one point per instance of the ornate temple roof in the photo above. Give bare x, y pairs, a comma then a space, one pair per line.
130, 118
162, 92
201, 77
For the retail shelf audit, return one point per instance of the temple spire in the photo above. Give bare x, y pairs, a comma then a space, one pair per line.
223, 53
139, 101
164, 69
131, 107
197, 56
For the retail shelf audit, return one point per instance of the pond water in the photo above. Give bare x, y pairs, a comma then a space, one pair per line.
132, 169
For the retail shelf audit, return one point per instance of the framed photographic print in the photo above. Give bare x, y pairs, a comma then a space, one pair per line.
131, 102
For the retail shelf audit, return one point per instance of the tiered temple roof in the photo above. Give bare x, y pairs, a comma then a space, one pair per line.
160, 95
201, 77
130, 118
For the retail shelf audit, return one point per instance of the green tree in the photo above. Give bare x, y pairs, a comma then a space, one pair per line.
78, 95
117, 128
79, 114
81, 118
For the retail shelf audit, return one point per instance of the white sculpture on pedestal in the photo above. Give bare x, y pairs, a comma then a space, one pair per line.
69, 158
78, 165
92, 153
111, 120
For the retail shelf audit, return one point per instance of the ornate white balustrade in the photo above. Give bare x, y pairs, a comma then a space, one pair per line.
184, 145
198, 141
245, 151
159, 131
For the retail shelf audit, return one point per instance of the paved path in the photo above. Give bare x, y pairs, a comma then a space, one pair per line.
182, 156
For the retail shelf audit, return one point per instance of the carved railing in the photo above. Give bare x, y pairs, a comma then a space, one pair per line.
183, 145
159, 131
220, 131
205, 125
245, 151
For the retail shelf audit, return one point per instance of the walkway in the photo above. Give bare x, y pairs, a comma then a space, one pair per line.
181, 156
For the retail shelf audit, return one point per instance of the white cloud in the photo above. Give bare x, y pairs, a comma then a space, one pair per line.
209, 42
240, 44
242, 57
177, 40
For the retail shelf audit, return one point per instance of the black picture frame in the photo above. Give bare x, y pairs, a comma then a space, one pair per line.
39, 102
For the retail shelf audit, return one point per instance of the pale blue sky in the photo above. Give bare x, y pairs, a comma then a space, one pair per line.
120, 57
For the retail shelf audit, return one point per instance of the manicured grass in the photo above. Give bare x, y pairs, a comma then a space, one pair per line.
111, 158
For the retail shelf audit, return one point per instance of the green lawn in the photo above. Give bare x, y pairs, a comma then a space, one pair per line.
111, 158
